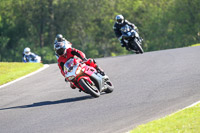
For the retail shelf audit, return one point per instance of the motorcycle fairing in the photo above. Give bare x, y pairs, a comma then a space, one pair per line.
100, 81
86, 78
88, 70
92, 78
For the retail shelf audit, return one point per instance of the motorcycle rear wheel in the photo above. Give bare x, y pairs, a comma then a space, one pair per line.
92, 90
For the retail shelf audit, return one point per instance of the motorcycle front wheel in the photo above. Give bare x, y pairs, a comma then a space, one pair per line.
90, 89
139, 46
136, 45
110, 87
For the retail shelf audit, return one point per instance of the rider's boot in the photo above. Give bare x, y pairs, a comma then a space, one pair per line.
72, 86
123, 44
127, 48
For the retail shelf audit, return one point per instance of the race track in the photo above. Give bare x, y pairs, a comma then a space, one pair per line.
147, 87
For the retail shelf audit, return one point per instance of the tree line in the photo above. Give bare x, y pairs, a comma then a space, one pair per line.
88, 24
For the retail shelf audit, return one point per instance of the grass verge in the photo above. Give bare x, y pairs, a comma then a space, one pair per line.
14, 70
184, 121
198, 44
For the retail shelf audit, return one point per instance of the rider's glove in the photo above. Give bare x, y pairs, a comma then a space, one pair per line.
136, 29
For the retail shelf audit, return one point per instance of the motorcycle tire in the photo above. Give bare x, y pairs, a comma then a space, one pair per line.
110, 87
92, 90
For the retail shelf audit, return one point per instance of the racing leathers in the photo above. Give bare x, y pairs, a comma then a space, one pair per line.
118, 33
70, 53
30, 58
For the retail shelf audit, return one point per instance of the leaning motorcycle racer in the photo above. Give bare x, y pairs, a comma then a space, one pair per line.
67, 53
119, 23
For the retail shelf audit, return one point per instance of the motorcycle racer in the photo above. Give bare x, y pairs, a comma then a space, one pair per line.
120, 22
67, 53
28, 56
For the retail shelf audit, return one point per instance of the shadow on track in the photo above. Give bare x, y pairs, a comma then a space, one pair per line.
50, 102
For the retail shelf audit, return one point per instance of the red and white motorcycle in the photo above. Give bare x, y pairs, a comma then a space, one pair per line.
86, 78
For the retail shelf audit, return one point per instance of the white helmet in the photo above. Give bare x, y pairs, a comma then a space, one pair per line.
119, 19
60, 48
27, 51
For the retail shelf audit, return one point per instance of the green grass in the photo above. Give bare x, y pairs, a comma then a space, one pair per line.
195, 45
12, 71
185, 121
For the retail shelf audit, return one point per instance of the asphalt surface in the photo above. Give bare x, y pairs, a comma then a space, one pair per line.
147, 87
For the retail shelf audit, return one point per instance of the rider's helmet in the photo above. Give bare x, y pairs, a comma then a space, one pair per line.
119, 19
59, 37
27, 51
60, 48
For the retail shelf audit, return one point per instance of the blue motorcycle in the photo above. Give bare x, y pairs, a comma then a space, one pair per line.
132, 39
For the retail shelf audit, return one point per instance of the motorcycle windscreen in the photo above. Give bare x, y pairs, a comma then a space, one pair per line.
68, 66
125, 28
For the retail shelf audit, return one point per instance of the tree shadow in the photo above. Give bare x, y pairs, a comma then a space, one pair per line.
44, 103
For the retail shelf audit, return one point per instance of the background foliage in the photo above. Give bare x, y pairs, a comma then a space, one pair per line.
88, 25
